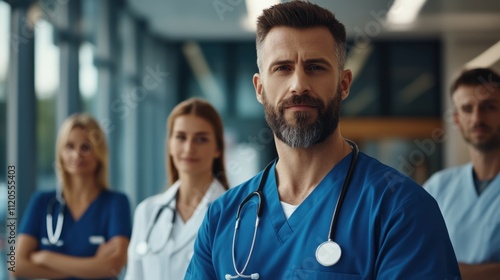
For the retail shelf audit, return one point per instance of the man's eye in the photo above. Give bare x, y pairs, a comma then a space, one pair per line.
201, 139
467, 109
282, 68
315, 68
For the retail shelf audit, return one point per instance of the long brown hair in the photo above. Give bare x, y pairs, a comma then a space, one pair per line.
206, 111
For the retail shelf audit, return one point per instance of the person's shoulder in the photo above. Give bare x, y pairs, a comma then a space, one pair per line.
150, 201
385, 181
379, 172
113, 195
443, 178
451, 172
235, 195
43, 195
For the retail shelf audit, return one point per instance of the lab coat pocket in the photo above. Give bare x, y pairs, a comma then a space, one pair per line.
309, 274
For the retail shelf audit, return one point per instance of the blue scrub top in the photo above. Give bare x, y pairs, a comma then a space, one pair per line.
106, 217
388, 228
473, 220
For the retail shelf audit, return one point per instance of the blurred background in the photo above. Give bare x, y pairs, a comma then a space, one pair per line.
130, 62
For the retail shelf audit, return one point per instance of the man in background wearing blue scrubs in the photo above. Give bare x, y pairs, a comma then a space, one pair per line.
469, 195
387, 227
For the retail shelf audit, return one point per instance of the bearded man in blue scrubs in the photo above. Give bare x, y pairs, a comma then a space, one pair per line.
385, 226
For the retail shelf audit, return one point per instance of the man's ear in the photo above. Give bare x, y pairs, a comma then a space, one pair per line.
257, 84
456, 120
345, 82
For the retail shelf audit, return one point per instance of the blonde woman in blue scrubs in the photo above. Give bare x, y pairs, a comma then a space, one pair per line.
166, 225
81, 230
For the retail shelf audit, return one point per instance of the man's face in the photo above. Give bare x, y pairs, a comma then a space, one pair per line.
477, 114
300, 84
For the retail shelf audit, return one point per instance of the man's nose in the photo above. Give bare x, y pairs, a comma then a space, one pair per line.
300, 83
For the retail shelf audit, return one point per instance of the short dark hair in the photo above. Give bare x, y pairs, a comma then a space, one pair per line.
476, 77
300, 14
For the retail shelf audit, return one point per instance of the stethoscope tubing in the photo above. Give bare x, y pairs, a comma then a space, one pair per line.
343, 191
155, 220
260, 195
54, 236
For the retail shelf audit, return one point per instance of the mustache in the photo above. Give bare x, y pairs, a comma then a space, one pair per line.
480, 125
301, 100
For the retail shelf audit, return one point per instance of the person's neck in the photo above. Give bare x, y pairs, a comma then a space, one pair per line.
80, 193
486, 164
191, 191
299, 171
81, 189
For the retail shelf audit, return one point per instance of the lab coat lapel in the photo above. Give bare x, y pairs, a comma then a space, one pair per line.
193, 224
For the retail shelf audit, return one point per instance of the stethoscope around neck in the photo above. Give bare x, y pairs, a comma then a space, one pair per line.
53, 236
328, 253
144, 247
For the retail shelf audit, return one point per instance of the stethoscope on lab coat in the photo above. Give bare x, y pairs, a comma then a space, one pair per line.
328, 253
143, 248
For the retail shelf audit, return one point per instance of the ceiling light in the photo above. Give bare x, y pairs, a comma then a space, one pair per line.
254, 10
404, 11
485, 59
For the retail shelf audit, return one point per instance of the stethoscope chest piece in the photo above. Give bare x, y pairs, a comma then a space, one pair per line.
328, 253
142, 248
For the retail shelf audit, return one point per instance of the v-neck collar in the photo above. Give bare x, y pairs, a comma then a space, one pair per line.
330, 186
87, 210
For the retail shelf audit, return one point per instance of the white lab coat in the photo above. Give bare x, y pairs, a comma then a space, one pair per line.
173, 256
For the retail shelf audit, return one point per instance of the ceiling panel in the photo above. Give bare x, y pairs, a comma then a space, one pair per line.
222, 19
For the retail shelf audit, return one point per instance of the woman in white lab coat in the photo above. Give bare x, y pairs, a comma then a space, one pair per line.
166, 225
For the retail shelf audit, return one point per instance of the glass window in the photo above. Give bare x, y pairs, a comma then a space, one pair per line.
4, 65
364, 95
207, 72
414, 79
246, 66
88, 78
4, 70
46, 86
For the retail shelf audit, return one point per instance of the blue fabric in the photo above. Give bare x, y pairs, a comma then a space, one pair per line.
389, 228
473, 220
107, 216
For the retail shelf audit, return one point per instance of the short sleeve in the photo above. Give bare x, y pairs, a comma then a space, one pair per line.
32, 218
120, 223
201, 266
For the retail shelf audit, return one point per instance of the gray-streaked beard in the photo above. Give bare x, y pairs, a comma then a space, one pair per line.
304, 134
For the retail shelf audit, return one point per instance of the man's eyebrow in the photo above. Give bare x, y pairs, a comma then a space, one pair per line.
488, 101
317, 60
307, 61
280, 62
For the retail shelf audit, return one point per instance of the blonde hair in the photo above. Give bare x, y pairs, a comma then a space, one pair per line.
99, 147
200, 108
